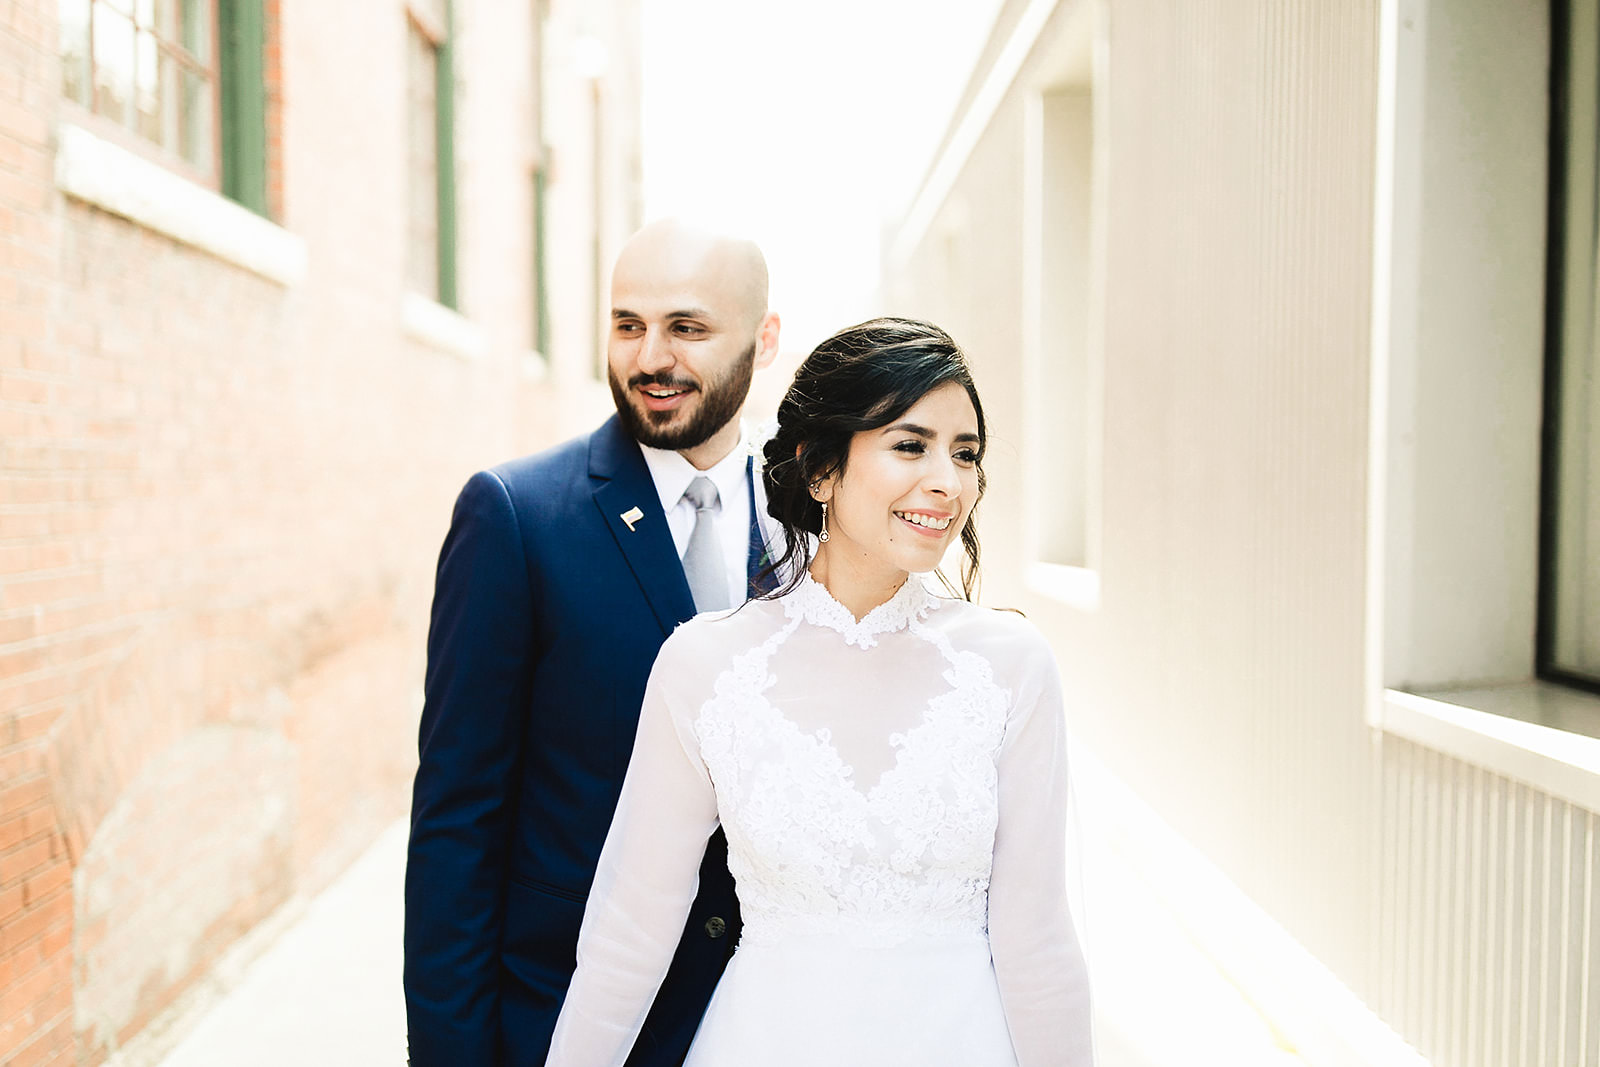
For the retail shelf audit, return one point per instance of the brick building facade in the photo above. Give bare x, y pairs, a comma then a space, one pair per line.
231, 428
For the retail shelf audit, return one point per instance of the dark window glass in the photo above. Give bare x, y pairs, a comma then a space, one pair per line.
1570, 617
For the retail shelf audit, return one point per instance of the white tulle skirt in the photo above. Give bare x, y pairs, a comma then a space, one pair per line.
831, 1002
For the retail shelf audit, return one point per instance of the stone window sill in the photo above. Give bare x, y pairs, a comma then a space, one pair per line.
1533, 732
442, 328
96, 171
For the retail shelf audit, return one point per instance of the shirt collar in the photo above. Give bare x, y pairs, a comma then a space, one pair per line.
672, 473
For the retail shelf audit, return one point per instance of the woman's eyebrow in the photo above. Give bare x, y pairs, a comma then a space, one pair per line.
910, 427
924, 432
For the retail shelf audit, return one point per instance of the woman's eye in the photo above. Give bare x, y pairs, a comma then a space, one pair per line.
915, 448
967, 456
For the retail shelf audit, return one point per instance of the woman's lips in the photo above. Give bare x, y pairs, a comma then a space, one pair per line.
926, 531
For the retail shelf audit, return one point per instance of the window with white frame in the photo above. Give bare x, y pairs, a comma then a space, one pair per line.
148, 66
1063, 121
1062, 277
180, 81
430, 116
1485, 344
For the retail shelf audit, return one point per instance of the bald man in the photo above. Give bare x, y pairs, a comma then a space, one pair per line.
560, 577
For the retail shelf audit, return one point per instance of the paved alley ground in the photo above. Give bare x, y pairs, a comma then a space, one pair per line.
326, 992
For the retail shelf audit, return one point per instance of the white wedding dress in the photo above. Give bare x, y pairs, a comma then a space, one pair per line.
895, 800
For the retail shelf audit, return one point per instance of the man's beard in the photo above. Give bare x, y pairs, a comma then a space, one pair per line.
720, 401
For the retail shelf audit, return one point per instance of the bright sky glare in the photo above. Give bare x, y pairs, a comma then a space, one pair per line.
807, 126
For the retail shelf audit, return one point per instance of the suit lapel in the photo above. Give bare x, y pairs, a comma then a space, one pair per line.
758, 558
622, 487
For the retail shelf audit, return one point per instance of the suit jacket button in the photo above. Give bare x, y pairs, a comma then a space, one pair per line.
716, 926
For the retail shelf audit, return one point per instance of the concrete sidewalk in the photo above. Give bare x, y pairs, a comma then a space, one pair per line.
326, 992
1159, 1000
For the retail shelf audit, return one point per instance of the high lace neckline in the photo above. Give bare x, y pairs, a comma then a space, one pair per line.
811, 602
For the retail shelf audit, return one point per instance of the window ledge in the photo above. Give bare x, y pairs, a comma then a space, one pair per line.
440, 327
1075, 586
1507, 730
98, 172
533, 366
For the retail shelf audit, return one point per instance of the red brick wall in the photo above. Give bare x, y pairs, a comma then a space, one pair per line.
44, 627
220, 504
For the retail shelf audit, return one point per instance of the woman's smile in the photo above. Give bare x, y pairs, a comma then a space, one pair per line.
926, 523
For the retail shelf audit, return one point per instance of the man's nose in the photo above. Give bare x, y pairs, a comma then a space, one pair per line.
655, 352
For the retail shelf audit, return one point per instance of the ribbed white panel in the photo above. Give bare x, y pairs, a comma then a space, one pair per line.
1488, 947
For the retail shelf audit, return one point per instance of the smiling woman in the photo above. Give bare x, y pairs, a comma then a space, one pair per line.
899, 498
884, 424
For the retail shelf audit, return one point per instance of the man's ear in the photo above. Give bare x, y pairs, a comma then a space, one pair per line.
767, 340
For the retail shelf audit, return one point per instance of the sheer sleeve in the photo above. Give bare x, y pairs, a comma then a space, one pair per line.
1038, 961
643, 888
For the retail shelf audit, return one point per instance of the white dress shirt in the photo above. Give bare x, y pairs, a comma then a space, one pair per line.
672, 475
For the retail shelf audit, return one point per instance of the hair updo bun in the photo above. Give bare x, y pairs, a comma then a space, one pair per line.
862, 378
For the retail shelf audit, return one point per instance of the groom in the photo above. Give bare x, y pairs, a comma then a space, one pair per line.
560, 577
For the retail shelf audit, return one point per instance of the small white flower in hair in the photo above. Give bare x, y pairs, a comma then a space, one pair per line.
758, 436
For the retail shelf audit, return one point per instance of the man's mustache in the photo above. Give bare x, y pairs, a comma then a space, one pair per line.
660, 381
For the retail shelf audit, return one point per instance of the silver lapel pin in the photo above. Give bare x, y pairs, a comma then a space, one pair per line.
631, 516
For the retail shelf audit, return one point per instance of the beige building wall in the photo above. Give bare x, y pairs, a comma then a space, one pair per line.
591, 115
1254, 294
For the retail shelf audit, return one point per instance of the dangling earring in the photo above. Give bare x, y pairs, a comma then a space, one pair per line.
823, 536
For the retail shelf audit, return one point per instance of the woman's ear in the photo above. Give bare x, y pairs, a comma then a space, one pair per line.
821, 488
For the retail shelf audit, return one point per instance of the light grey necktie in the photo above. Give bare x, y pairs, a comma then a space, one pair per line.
703, 564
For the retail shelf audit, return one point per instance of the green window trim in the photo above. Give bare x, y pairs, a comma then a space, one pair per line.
445, 116
241, 26
541, 300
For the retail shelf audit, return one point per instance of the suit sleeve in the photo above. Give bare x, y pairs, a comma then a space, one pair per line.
1038, 961
480, 648
646, 882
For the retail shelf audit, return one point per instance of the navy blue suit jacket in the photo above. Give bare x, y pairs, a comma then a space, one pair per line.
548, 612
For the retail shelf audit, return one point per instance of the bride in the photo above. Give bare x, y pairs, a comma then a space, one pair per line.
888, 764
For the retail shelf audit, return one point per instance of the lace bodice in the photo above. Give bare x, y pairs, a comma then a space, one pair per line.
894, 779
814, 848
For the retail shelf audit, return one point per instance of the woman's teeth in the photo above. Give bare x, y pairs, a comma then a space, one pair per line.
926, 520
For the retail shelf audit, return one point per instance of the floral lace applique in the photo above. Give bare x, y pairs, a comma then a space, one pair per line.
814, 854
